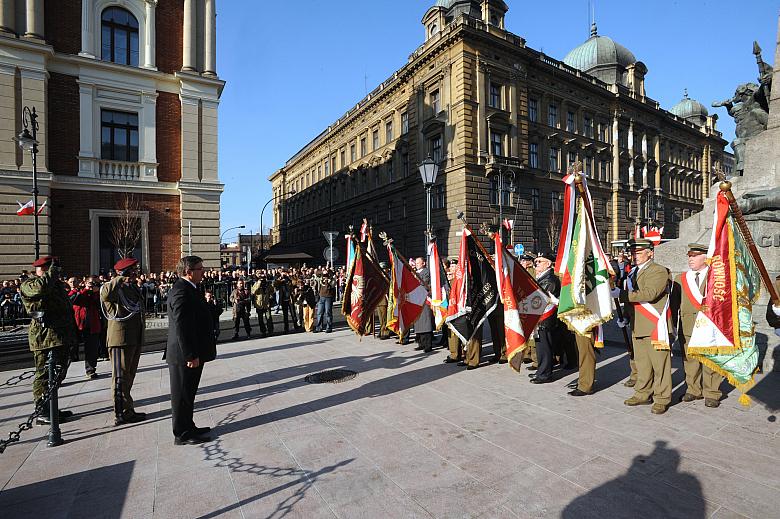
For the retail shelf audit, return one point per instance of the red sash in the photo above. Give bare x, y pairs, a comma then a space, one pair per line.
688, 285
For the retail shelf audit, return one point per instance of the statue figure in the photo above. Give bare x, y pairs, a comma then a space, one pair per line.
761, 205
750, 109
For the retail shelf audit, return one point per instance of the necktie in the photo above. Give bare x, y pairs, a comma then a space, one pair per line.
697, 280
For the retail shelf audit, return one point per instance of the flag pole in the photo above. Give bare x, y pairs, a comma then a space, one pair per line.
618, 309
389, 241
462, 217
725, 186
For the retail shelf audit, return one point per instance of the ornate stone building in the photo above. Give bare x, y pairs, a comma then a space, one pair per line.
503, 121
126, 93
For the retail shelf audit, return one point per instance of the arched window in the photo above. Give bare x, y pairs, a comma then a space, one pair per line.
119, 36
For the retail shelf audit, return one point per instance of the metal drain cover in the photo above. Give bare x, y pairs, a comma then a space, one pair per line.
332, 376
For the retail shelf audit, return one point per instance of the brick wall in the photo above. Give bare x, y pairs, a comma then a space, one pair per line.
170, 20
70, 227
62, 22
168, 137
63, 124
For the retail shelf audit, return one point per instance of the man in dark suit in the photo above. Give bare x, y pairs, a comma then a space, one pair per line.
190, 344
546, 330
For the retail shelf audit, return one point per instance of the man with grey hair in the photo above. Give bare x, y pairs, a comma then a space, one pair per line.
190, 344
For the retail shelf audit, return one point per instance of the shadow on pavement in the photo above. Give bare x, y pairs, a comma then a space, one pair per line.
633, 495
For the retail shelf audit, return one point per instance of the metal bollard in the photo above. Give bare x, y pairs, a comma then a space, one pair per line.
55, 435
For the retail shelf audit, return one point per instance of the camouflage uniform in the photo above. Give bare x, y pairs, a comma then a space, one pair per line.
56, 331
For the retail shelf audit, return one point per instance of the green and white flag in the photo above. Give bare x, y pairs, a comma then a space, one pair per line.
585, 301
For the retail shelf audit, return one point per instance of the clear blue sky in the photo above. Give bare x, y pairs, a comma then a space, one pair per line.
293, 68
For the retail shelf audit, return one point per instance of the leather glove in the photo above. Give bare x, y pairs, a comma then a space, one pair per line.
614, 293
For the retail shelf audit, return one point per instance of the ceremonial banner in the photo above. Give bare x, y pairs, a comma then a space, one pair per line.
585, 300
723, 337
365, 288
474, 294
438, 299
407, 297
350, 250
524, 302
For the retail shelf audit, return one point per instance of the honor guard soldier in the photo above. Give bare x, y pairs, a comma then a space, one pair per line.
646, 295
586, 353
123, 306
52, 325
687, 294
453, 341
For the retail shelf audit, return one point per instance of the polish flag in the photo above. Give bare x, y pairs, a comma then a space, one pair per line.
28, 209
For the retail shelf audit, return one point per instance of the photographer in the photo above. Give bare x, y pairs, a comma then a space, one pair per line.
241, 302
284, 287
86, 309
52, 328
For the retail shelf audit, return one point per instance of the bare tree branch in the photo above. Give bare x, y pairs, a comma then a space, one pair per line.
126, 227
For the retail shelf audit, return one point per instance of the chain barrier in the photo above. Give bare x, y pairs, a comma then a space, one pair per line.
40, 407
26, 375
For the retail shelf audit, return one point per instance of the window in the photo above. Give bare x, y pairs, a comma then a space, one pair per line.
533, 155
343, 158
496, 144
119, 136
533, 110
352, 154
535, 199
119, 37
628, 209
389, 211
495, 96
553, 160
589, 167
435, 102
572, 158
433, 29
363, 147
552, 115
556, 201
434, 148
588, 124
438, 197
405, 166
332, 165
375, 139
570, 126
319, 171
388, 132
403, 209
603, 165
404, 123
390, 171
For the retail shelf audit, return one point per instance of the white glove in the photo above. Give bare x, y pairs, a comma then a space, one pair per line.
776, 310
777, 332
622, 323
614, 293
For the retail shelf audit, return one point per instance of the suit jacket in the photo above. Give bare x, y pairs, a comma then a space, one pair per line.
683, 310
425, 323
550, 282
651, 287
190, 328
129, 332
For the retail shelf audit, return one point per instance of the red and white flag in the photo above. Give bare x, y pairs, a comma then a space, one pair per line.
438, 299
364, 231
654, 234
28, 209
524, 301
409, 296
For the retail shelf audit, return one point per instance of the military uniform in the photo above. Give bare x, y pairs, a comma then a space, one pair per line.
123, 305
261, 292
55, 331
687, 293
648, 284
547, 329
381, 308
586, 354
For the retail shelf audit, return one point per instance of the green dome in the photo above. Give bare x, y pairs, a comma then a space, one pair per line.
689, 108
599, 51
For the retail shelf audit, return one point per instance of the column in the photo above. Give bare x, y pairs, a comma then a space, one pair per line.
631, 154
644, 159
87, 30
616, 178
189, 55
210, 40
7, 17
149, 40
657, 146
87, 166
34, 19
705, 171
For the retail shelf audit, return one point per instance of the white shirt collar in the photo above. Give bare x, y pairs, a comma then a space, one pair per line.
191, 283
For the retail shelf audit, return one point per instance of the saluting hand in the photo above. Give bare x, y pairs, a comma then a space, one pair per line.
194, 363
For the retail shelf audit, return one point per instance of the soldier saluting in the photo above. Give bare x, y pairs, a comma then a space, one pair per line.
53, 326
123, 306
687, 294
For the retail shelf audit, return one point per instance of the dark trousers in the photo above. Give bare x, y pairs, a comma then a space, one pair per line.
262, 315
287, 311
91, 345
425, 340
41, 380
243, 316
544, 353
184, 386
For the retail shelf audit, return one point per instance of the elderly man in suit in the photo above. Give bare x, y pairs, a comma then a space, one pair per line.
423, 326
646, 294
687, 294
190, 345
123, 306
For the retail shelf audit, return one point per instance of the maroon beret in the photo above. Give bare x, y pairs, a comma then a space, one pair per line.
44, 261
125, 263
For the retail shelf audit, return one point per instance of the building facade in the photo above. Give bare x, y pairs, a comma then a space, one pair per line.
504, 122
126, 93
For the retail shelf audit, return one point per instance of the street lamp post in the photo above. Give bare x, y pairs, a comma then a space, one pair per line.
501, 190
292, 192
230, 229
29, 142
428, 171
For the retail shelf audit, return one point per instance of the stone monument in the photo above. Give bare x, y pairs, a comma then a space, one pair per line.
756, 184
